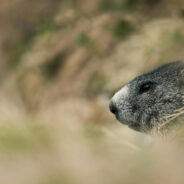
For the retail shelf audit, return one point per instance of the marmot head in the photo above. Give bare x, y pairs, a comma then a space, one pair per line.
152, 99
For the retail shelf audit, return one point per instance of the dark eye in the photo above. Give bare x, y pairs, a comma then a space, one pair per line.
145, 87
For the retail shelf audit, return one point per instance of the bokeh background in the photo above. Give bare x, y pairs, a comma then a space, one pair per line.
60, 63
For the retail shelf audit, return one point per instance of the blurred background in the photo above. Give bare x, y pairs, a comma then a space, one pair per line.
60, 63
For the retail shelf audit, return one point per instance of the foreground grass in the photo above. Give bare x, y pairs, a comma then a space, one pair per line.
40, 153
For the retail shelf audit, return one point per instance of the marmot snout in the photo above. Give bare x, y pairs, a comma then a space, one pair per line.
152, 99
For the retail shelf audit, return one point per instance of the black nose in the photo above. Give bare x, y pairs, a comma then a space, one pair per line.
113, 108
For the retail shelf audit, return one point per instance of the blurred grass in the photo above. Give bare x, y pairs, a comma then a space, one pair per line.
68, 154
70, 61
47, 25
19, 51
121, 29
50, 69
126, 5
83, 39
96, 84
17, 139
56, 178
123, 5
178, 37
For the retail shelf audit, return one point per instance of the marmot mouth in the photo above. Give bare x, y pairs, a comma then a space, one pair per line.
163, 124
130, 124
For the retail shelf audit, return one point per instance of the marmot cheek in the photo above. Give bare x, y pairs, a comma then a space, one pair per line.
134, 108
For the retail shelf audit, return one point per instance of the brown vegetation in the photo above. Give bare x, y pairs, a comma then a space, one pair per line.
61, 61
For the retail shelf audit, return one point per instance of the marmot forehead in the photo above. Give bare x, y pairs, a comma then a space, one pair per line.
167, 71
151, 99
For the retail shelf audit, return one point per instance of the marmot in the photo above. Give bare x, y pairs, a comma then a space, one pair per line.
152, 99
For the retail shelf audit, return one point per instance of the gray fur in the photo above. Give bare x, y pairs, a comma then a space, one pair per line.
152, 99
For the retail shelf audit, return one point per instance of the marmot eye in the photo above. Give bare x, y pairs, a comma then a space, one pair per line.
145, 87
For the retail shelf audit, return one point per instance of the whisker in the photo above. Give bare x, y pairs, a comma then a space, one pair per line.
171, 117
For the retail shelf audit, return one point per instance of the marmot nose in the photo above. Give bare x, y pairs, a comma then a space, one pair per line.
113, 108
